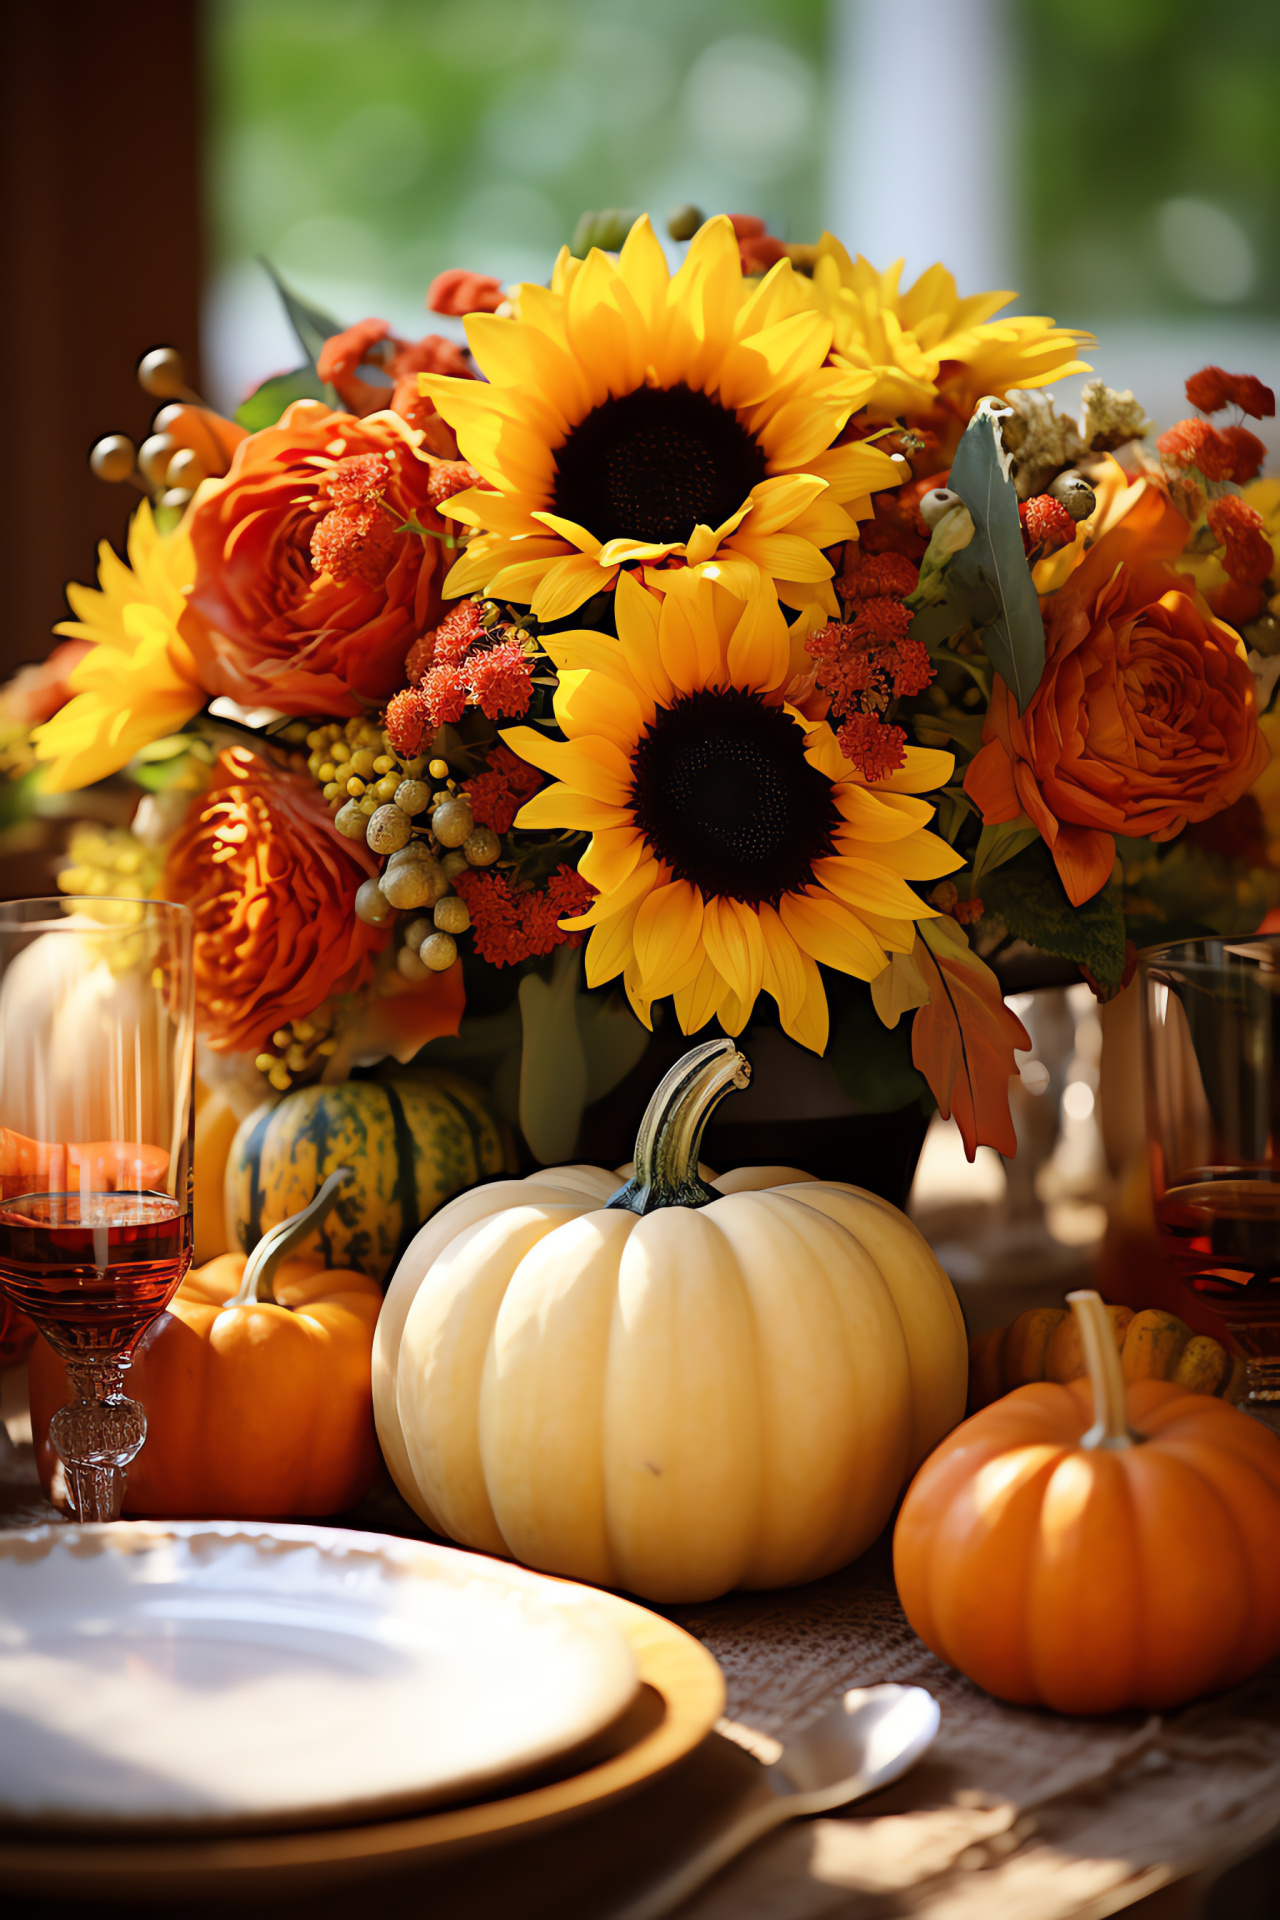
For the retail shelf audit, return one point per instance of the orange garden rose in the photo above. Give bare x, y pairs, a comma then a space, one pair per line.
272, 884
309, 590
1145, 717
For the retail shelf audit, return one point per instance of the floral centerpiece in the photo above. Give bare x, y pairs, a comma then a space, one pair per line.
753, 642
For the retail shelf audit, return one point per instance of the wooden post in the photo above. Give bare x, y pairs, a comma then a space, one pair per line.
101, 236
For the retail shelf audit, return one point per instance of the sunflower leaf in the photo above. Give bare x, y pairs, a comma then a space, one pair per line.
963, 1040
989, 580
998, 843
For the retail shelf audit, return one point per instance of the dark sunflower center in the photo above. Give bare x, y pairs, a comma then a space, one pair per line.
723, 793
654, 465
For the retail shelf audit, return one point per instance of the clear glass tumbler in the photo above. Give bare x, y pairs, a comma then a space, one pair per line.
96, 1117
1211, 1034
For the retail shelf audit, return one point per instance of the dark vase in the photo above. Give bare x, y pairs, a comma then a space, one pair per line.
793, 1115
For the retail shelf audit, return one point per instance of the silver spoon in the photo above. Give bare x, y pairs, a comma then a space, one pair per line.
871, 1738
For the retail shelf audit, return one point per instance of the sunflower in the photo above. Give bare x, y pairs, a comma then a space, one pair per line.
628, 418
138, 682
915, 343
733, 846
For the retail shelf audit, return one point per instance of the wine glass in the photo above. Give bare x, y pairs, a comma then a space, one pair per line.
1211, 1044
96, 1056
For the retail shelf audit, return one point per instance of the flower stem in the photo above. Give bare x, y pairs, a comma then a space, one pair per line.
1110, 1427
666, 1170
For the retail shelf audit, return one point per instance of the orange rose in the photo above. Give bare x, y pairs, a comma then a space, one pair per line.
272, 885
1145, 716
308, 589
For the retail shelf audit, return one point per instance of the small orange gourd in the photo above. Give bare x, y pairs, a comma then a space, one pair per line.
1083, 1548
256, 1385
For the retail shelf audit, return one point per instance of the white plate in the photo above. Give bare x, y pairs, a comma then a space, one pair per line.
237, 1675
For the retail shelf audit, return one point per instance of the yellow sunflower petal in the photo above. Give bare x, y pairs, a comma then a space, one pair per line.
732, 937
667, 935
569, 585
610, 947
645, 877
919, 856
588, 765
793, 979
898, 936
570, 530
607, 331
642, 266
512, 353
589, 703
784, 555
562, 807
759, 652
639, 614
868, 887
612, 859
775, 503
696, 1003
831, 933
511, 514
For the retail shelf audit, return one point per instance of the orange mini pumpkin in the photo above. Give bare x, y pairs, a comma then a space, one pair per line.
1077, 1548
256, 1386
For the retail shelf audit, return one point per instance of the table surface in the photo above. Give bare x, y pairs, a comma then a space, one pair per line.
1013, 1815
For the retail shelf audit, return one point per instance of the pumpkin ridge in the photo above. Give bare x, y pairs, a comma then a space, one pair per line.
404, 1188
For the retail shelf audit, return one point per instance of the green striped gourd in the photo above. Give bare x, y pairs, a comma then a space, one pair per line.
412, 1140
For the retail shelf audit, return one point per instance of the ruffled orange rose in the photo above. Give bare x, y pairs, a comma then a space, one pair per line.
309, 589
1145, 717
272, 884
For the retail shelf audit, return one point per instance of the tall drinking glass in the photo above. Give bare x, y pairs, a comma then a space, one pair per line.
1211, 1033
96, 1055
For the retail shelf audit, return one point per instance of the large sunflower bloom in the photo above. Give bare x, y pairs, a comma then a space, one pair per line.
138, 682
927, 339
733, 846
627, 417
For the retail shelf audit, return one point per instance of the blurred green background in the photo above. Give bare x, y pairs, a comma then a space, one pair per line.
1114, 160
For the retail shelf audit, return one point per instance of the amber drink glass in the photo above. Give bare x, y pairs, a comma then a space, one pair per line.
1211, 1034
96, 1055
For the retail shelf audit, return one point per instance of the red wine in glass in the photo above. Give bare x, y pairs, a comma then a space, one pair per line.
1223, 1232
93, 1271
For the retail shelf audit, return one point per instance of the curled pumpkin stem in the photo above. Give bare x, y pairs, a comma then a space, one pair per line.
670, 1135
1110, 1427
260, 1268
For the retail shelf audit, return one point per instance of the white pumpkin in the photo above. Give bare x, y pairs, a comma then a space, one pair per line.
674, 1388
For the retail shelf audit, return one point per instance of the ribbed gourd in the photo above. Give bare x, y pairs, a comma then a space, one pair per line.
413, 1140
669, 1386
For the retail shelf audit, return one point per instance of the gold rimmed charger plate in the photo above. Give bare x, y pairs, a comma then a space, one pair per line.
681, 1697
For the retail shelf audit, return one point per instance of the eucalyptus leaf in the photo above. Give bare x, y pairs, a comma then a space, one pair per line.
989, 579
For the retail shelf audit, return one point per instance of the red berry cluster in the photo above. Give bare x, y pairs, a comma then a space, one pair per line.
497, 794
461, 664
1046, 525
866, 662
514, 923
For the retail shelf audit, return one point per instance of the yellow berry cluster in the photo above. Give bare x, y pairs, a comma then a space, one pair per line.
356, 761
301, 1049
109, 860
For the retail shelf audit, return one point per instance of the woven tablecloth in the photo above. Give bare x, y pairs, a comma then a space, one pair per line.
1013, 1815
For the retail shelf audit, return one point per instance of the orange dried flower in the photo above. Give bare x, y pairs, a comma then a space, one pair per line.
516, 923
757, 248
271, 884
458, 292
1247, 555
501, 681
1194, 443
881, 574
408, 722
444, 692
1209, 390
1249, 453
1249, 394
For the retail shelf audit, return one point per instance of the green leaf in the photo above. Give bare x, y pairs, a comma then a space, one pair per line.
990, 578
953, 807
267, 402
312, 326
996, 844
1026, 893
